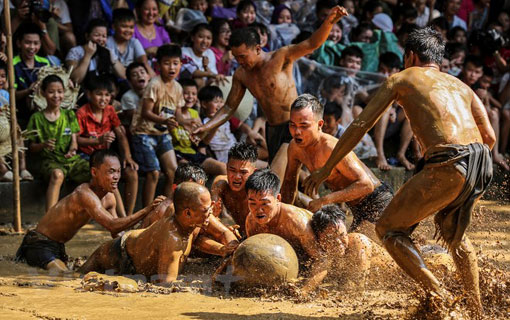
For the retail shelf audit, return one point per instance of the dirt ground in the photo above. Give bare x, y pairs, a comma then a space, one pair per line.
28, 293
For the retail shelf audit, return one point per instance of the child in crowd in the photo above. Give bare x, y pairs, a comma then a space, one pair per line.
56, 141
457, 54
246, 14
181, 136
457, 35
94, 57
221, 34
352, 59
156, 114
263, 32
199, 5
99, 127
127, 48
472, 70
138, 78
26, 67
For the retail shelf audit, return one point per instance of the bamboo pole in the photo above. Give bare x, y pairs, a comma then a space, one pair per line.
12, 100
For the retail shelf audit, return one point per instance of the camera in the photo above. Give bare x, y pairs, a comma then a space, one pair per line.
38, 9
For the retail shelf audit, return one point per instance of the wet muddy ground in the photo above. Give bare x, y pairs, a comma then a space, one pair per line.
28, 293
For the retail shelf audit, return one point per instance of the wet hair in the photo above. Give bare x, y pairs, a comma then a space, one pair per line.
307, 100
132, 66
244, 4
209, 93
50, 79
102, 82
243, 151
453, 31
474, 60
353, 51
27, 28
98, 156
189, 172
168, 51
263, 181
123, 15
334, 109
247, 36
362, 27
328, 215
390, 60
325, 4
427, 44
188, 83
276, 13
199, 27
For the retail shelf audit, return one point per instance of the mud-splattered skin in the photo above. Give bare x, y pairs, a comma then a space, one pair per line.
93, 200
441, 110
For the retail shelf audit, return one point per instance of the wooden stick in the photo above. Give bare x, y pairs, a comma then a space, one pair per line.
14, 123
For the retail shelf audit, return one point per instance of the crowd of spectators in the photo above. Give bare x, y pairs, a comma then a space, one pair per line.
117, 50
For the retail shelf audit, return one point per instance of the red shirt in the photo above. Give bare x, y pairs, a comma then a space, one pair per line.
90, 127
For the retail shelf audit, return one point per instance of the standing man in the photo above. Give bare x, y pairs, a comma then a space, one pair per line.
452, 127
268, 76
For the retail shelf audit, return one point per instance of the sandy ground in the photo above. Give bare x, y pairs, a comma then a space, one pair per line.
28, 293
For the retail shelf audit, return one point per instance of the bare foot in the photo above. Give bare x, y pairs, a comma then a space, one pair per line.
403, 161
501, 161
382, 164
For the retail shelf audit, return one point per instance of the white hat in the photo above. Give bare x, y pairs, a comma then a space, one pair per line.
383, 22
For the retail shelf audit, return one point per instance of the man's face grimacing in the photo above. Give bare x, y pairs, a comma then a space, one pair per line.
263, 205
197, 215
334, 238
305, 127
238, 172
247, 56
107, 175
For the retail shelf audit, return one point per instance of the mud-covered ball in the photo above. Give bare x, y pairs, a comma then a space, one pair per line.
265, 259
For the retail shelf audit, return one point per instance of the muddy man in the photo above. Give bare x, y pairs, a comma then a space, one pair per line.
268, 76
452, 127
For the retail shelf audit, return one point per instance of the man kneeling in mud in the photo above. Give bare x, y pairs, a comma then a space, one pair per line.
159, 251
44, 246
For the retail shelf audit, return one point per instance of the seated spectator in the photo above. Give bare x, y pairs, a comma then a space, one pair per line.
246, 14
56, 141
440, 24
26, 67
349, 22
181, 136
472, 70
457, 35
199, 5
127, 48
138, 78
99, 127
370, 9
450, 13
281, 15
94, 58
219, 11
156, 114
362, 33
221, 34
201, 61
425, 13
457, 53
264, 35
150, 35
61, 18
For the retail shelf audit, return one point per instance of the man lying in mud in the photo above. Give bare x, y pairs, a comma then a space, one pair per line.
44, 246
451, 125
230, 189
159, 251
351, 181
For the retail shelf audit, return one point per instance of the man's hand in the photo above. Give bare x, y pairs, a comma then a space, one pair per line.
315, 205
129, 162
229, 248
254, 137
336, 14
50, 144
90, 48
235, 230
313, 181
156, 202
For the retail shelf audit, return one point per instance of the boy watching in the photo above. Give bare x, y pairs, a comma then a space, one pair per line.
156, 114
472, 70
138, 78
26, 66
99, 126
122, 43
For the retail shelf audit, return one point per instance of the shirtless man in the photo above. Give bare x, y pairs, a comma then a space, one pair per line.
452, 127
269, 215
159, 251
44, 246
268, 76
230, 189
351, 181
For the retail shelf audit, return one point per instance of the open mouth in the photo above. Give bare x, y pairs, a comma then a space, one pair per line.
298, 140
237, 184
260, 216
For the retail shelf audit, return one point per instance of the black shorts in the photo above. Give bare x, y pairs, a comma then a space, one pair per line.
372, 206
275, 137
37, 250
197, 158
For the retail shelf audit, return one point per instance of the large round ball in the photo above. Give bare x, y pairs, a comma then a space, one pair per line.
265, 259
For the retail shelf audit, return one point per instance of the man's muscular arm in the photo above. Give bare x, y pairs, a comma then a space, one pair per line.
290, 180
482, 121
96, 211
168, 266
219, 232
294, 52
354, 133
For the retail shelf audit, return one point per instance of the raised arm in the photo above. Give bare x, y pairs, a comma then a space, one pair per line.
294, 52
354, 133
482, 121
234, 98
290, 180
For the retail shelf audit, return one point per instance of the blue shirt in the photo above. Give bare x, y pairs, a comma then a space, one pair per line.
25, 76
